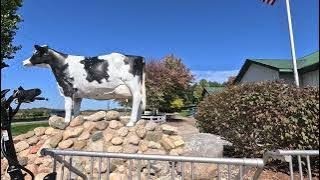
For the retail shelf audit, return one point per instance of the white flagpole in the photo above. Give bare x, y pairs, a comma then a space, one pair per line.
293, 51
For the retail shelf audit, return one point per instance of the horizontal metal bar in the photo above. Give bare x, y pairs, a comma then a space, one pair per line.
294, 152
234, 161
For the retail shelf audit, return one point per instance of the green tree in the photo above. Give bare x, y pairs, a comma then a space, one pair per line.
9, 26
198, 88
177, 104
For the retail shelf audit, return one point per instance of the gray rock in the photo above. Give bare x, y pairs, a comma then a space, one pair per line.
141, 131
29, 134
54, 140
98, 116
78, 145
96, 136
23, 161
153, 136
107, 136
84, 136
151, 125
133, 139
114, 124
129, 148
89, 126
170, 130
123, 131
117, 141
112, 115
49, 131
124, 119
65, 144
102, 125
95, 146
39, 131
57, 122
33, 140
154, 145
205, 145
20, 146
77, 121
71, 133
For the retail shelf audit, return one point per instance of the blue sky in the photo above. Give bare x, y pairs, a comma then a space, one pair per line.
213, 38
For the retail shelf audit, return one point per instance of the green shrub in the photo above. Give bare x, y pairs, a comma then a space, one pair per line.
263, 116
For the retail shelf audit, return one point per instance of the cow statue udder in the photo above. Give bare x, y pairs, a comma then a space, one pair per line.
110, 76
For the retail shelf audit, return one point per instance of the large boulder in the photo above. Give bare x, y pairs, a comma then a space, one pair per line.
205, 145
73, 132
39, 131
20, 146
112, 115
65, 144
98, 116
57, 122
79, 120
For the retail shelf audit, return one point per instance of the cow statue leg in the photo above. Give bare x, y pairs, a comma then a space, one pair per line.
68, 103
136, 109
136, 103
76, 106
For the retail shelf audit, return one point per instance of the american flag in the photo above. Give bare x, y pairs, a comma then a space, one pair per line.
271, 2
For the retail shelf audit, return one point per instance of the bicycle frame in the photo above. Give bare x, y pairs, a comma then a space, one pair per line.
7, 146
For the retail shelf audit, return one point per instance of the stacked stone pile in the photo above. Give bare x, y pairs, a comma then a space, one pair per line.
102, 131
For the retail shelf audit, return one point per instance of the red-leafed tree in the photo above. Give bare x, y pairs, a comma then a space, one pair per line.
168, 84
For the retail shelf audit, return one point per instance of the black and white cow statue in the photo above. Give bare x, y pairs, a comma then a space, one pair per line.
110, 76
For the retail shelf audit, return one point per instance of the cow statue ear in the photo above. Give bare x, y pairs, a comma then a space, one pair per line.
42, 49
37, 47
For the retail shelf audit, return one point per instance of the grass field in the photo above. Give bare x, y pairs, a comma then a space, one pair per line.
185, 113
24, 128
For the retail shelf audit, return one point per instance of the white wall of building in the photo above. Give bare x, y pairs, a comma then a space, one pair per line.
259, 73
287, 77
311, 78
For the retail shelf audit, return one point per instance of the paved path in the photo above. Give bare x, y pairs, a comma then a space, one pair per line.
29, 122
186, 125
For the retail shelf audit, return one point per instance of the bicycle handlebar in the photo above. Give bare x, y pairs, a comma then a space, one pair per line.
26, 96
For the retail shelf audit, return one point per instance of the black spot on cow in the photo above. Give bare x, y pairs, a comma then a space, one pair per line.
97, 69
64, 79
65, 56
136, 64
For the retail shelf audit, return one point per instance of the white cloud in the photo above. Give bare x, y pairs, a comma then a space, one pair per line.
218, 76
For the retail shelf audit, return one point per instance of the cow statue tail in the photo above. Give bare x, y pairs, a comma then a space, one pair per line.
144, 96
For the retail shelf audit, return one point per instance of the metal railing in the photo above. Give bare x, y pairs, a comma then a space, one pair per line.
287, 156
59, 156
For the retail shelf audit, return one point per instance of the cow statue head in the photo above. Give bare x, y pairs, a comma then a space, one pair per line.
43, 56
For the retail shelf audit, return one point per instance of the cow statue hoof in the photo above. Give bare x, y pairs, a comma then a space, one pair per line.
130, 124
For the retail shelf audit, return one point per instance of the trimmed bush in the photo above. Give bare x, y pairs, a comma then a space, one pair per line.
263, 116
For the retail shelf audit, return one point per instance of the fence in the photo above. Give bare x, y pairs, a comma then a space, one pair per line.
59, 156
287, 156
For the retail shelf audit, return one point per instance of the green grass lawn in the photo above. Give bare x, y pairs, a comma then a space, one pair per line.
185, 113
24, 128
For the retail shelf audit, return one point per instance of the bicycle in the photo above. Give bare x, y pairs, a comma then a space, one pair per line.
19, 96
